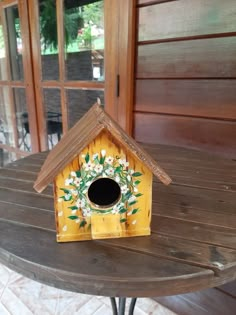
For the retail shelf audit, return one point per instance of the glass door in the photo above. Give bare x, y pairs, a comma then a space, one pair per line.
18, 124
68, 49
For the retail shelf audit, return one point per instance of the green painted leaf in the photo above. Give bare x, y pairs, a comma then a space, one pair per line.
78, 173
66, 191
128, 194
73, 208
136, 174
89, 226
82, 223
102, 160
135, 211
122, 210
118, 169
87, 158
138, 195
123, 220
137, 182
73, 217
132, 203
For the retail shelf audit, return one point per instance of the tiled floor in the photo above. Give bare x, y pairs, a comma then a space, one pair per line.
21, 296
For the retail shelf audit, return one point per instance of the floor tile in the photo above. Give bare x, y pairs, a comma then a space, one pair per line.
22, 296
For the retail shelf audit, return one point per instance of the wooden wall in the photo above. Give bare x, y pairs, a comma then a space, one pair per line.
186, 74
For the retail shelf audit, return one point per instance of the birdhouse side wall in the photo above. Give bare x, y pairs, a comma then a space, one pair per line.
105, 157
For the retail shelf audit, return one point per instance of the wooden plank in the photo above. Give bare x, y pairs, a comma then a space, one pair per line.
229, 288
180, 156
27, 216
16, 173
26, 199
199, 98
208, 234
196, 205
171, 21
205, 302
203, 58
92, 267
216, 258
25, 167
22, 185
203, 134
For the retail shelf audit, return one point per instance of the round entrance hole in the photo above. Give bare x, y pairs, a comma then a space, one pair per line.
104, 192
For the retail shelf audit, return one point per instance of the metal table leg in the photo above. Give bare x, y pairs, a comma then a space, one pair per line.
120, 308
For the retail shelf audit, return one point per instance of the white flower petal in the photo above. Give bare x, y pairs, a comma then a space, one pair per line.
64, 228
60, 214
134, 222
103, 152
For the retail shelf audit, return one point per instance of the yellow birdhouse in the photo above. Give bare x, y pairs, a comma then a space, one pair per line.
102, 181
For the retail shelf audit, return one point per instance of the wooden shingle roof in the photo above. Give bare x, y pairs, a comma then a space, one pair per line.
79, 136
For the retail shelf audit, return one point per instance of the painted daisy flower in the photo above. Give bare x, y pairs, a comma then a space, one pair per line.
88, 166
67, 197
110, 171
98, 168
86, 212
124, 189
80, 203
115, 209
88, 184
109, 160
123, 162
129, 178
77, 181
74, 192
73, 174
117, 179
131, 199
68, 181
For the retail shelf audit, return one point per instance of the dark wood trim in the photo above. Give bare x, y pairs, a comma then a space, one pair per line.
144, 3
37, 67
28, 75
187, 38
90, 85
120, 19
61, 59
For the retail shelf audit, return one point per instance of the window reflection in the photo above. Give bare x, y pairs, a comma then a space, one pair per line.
80, 101
84, 40
14, 42
53, 117
6, 123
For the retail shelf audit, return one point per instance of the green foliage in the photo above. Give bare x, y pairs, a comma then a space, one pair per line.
48, 24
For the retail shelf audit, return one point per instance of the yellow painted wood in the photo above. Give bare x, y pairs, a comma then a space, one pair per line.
105, 225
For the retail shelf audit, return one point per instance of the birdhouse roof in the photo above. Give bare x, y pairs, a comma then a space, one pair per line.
80, 135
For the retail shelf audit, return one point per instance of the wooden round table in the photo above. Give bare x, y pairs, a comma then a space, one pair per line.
192, 246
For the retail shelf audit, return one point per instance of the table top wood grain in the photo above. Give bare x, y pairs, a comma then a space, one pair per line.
192, 246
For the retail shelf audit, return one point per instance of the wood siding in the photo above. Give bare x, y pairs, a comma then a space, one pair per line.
185, 91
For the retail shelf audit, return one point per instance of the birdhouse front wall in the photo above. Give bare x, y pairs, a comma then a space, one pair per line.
104, 192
